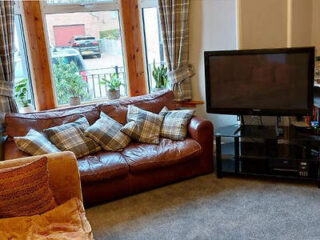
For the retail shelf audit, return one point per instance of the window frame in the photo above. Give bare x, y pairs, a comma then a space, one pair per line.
74, 8
147, 4
18, 10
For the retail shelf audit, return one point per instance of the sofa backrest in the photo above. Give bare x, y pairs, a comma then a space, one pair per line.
17, 124
154, 102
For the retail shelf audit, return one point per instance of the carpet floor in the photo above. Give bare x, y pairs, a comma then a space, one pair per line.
209, 208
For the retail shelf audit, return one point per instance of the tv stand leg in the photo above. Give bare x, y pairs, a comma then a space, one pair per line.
218, 157
241, 124
318, 177
276, 128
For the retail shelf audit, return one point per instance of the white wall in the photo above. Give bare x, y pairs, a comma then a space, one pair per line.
213, 26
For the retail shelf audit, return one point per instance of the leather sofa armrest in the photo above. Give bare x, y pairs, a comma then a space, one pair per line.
64, 175
201, 130
2, 140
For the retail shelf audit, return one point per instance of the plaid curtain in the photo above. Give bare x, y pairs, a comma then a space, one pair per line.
174, 18
7, 102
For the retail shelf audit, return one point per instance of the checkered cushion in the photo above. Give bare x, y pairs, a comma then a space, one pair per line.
106, 132
70, 137
35, 143
175, 123
143, 126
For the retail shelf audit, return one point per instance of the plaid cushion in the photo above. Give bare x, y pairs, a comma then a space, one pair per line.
70, 137
106, 132
143, 126
35, 143
174, 125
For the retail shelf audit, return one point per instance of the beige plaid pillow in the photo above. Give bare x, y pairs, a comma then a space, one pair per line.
106, 132
143, 126
175, 123
70, 137
35, 143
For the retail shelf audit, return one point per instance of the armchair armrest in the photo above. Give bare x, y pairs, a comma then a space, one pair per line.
64, 178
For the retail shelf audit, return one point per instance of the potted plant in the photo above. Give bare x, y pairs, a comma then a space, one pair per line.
70, 86
113, 85
21, 95
160, 76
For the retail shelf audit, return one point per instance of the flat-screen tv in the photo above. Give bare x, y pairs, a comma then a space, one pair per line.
276, 82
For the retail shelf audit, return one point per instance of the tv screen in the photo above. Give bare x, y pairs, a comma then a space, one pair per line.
260, 82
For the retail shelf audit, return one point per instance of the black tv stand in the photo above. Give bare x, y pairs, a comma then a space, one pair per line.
263, 152
242, 127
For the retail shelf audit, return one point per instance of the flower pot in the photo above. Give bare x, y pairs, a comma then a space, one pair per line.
74, 101
113, 94
28, 109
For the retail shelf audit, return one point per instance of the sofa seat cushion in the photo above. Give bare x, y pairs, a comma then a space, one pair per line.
142, 157
101, 166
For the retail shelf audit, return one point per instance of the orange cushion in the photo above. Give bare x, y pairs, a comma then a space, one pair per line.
24, 190
67, 222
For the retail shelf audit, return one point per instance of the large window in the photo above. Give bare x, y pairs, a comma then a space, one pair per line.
64, 2
85, 47
152, 39
22, 76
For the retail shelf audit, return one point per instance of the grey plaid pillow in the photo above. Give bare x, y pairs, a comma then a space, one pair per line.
106, 132
175, 123
70, 137
143, 126
35, 143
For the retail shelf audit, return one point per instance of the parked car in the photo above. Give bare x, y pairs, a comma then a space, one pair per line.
69, 55
87, 46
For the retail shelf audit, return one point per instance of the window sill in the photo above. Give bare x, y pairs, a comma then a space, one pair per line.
66, 106
189, 103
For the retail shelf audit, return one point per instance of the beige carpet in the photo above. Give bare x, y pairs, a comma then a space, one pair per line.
208, 208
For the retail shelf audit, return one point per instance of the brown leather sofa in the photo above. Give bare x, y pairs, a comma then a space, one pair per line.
110, 175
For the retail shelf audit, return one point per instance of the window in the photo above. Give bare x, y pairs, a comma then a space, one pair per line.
152, 39
64, 2
86, 48
21, 65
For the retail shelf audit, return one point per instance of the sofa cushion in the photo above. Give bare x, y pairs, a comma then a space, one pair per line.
154, 102
70, 137
18, 124
143, 126
106, 132
35, 143
142, 157
25, 191
175, 123
67, 221
102, 166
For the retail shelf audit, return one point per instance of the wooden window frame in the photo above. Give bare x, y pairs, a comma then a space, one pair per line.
83, 8
36, 30
18, 10
146, 4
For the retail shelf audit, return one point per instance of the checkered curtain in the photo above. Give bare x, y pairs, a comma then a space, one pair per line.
174, 18
7, 102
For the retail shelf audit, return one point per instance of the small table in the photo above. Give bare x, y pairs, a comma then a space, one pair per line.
259, 151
